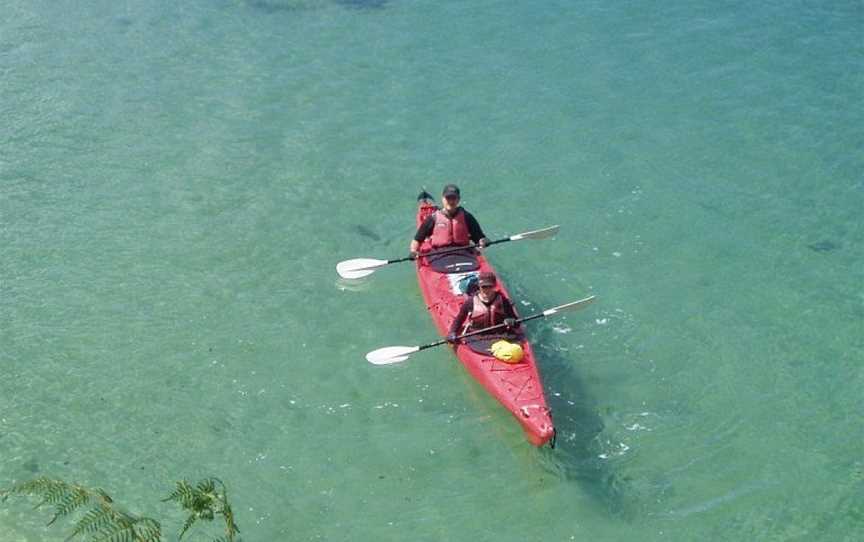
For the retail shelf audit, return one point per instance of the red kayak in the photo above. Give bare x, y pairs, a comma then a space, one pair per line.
517, 386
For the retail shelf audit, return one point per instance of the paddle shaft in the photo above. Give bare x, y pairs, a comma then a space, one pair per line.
361, 267
485, 330
393, 354
445, 251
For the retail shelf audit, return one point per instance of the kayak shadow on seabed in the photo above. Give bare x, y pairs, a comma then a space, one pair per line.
575, 411
577, 455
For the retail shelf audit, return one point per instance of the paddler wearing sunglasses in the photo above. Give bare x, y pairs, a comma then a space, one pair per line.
450, 226
488, 307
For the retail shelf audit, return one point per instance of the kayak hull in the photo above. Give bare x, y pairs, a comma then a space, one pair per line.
517, 386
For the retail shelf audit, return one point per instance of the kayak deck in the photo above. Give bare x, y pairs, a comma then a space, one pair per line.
517, 386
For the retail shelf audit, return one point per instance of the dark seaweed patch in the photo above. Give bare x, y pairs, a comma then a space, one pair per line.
823, 246
363, 4
274, 6
367, 233
283, 6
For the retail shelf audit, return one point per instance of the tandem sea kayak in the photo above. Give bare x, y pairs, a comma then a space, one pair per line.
445, 282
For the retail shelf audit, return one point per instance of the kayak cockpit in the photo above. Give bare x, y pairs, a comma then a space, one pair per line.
462, 261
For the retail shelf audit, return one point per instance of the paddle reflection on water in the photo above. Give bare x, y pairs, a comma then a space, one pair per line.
353, 285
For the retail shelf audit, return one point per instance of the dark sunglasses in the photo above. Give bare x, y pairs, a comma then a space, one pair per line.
487, 286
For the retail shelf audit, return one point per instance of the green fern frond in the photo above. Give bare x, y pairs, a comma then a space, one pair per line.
205, 501
106, 498
71, 501
66, 497
104, 523
230, 527
174, 495
94, 520
118, 534
51, 491
124, 528
184, 494
37, 486
207, 486
147, 530
56, 493
189, 521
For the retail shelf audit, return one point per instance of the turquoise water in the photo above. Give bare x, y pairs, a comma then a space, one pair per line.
178, 181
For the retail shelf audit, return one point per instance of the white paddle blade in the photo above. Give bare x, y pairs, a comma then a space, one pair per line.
570, 306
358, 267
537, 234
390, 354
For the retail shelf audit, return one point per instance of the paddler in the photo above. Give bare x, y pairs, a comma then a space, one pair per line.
487, 308
450, 226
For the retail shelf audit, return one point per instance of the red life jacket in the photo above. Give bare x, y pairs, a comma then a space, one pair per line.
448, 231
482, 316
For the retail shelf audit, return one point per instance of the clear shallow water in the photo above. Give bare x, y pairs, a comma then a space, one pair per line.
177, 183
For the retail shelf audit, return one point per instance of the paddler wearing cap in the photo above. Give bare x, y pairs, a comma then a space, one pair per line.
450, 226
488, 307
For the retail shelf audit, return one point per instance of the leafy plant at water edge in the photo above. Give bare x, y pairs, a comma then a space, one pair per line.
205, 501
102, 522
105, 522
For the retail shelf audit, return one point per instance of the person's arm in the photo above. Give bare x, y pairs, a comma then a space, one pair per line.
510, 314
509, 311
423, 232
474, 230
464, 310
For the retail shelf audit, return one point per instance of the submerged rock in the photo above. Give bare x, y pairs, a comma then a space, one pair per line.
366, 232
363, 4
281, 6
823, 246
276, 6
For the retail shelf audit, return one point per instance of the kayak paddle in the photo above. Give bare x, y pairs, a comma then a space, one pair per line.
361, 267
395, 354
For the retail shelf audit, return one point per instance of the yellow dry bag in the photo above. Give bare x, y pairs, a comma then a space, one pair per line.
507, 352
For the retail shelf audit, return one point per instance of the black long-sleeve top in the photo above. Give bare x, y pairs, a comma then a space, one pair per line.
426, 228
468, 306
